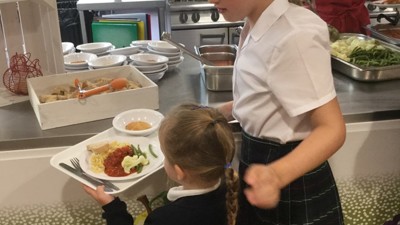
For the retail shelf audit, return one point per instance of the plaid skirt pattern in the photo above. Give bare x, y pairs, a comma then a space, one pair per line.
310, 200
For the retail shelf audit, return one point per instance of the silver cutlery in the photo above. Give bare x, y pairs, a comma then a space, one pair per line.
106, 183
89, 179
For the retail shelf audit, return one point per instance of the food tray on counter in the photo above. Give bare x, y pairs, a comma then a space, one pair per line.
368, 74
380, 31
101, 106
79, 150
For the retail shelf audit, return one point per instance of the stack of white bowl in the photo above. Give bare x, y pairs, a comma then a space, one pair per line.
78, 61
68, 47
98, 48
108, 61
152, 65
164, 48
142, 44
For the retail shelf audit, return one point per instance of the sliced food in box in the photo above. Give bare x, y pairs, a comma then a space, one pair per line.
58, 101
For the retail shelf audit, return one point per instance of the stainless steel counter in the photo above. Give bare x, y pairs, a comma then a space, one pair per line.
19, 128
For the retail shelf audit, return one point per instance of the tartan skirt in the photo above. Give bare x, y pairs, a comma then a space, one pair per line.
312, 199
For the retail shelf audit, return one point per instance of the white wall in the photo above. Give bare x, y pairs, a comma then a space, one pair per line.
367, 171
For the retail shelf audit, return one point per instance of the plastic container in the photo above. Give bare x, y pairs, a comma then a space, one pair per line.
119, 34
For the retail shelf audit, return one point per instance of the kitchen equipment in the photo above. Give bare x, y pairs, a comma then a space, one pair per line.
198, 22
369, 74
217, 77
167, 37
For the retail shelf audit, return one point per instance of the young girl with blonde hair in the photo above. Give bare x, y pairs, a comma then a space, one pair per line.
198, 145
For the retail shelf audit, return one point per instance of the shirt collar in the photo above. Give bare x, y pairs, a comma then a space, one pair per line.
178, 192
270, 15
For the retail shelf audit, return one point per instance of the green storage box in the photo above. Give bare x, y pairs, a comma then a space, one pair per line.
119, 34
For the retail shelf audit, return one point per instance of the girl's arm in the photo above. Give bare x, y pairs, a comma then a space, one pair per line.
327, 136
226, 110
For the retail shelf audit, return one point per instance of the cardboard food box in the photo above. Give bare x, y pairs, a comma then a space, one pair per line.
106, 105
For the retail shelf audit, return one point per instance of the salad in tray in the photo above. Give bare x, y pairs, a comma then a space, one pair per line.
364, 52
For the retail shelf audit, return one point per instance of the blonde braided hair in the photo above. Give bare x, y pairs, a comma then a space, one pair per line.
200, 139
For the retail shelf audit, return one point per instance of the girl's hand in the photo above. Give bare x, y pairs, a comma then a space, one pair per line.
264, 186
99, 195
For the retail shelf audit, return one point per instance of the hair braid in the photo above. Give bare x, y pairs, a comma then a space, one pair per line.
232, 189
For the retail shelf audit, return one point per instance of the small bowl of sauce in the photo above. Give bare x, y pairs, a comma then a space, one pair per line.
138, 122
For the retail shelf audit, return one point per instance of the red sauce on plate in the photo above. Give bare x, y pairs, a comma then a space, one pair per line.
113, 161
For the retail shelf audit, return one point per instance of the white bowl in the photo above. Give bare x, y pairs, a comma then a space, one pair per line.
107, 61
163, 46
67, 47
164, 68
155, 76
79, 60
179, 60
95, 47
142, 44
148, 68
175, 58
147, 59
125, 51
150, 116
168, 54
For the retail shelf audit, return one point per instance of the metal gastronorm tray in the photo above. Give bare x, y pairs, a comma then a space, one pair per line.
376, 33
217, 78
369, 74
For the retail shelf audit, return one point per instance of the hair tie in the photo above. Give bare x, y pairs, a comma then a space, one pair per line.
228, 165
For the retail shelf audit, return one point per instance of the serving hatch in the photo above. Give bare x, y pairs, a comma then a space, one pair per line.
368, 73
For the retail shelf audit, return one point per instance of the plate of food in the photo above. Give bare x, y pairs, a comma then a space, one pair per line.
113, 138
121, 158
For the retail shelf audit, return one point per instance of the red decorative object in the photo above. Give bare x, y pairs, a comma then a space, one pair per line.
21, 68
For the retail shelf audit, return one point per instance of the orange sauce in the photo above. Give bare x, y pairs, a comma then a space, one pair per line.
138, 125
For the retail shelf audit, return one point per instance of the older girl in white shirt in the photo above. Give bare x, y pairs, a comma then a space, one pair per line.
285, 101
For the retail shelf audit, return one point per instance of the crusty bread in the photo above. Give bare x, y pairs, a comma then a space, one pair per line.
98, 147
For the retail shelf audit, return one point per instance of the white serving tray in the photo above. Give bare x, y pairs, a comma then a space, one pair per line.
78, 149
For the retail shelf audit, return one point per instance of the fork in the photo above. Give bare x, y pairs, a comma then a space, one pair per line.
77, 166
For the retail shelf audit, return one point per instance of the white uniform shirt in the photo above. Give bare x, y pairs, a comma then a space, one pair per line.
282, 71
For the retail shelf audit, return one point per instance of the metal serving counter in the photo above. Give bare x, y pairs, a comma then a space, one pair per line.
19, 128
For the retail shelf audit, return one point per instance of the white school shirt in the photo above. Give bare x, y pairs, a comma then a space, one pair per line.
282, 71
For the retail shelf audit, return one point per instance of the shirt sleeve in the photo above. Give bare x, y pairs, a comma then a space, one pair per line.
116, 213
301, 77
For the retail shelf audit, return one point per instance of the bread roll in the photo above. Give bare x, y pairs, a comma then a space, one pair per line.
99, 147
